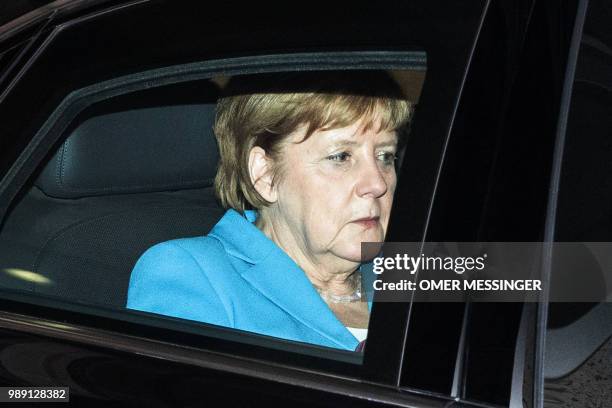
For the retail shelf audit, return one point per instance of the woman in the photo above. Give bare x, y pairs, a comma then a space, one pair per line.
307, 172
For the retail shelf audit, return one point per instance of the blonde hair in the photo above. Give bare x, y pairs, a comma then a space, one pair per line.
263, 110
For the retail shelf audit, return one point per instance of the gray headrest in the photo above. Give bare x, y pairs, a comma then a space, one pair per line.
134, 151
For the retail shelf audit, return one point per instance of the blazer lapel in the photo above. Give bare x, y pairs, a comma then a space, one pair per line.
280, 280
277, 277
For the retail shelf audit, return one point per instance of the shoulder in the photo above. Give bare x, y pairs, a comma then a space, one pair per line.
184, 255
172, 278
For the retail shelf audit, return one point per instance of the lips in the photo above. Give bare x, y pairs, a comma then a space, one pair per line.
367, 222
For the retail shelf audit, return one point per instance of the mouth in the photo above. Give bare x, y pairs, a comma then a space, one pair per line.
367, 223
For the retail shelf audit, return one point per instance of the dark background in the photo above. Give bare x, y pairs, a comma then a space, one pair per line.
10, 9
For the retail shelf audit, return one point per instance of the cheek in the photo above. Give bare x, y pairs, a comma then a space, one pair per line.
325, 190
392, 182
326, 203
309, 198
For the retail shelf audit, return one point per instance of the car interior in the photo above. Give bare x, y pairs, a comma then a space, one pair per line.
130, 172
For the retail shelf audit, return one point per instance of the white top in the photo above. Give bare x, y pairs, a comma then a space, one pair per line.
360, 334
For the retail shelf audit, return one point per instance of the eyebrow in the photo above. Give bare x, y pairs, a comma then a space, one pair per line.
342, 143
393, 143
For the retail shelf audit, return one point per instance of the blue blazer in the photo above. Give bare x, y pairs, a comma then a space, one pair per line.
236, 277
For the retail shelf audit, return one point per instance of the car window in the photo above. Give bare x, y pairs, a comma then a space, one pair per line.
132, 216
578, 353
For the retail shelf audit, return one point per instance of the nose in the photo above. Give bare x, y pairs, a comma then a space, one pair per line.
371, 180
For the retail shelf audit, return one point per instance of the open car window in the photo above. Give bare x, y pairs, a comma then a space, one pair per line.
130, 170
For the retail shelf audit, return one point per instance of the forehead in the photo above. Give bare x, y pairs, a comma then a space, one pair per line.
357, 133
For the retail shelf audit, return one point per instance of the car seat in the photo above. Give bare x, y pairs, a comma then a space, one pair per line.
131, 172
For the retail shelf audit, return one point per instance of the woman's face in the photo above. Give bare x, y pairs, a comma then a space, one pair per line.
335, 191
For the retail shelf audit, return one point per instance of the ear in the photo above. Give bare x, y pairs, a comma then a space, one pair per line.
260, 170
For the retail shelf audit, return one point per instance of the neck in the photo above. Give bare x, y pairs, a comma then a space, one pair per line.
333, 297
328, 276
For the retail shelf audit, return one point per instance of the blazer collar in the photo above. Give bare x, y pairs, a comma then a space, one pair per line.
276, 276
241, 238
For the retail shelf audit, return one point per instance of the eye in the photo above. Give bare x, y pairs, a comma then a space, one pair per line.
388, 158
339, 157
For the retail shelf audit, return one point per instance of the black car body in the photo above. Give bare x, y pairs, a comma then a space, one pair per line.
510, 142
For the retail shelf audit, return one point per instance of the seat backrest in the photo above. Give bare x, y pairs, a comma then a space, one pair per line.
122, 181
